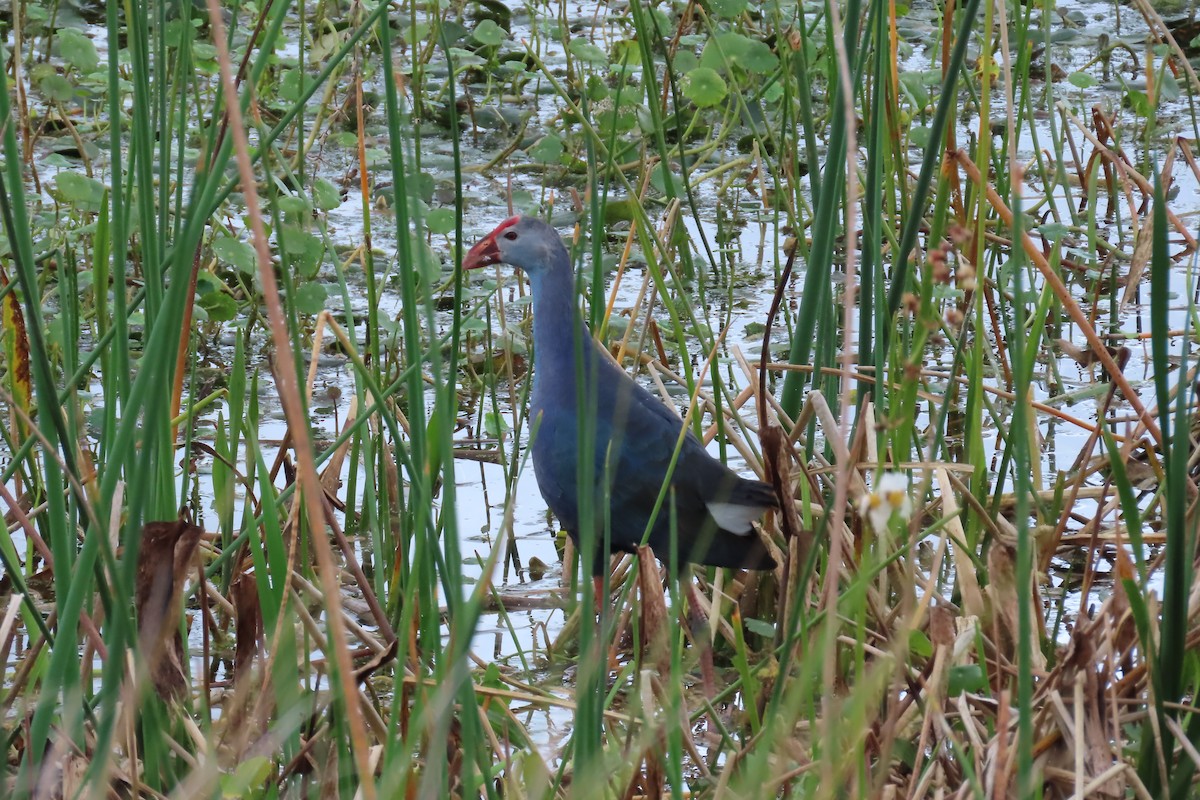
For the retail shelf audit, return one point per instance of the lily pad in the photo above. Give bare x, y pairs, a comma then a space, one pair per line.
704, 87
738, 51
489, 34
547, 150
1053, 231
236, 252
427, 263
288, 87
464, 59
440, 221
80, 191
310, 298
1081, 80
325, 195
57, 88
78, 50
219, 306
727, 8
303, 250
588, 52
684, 61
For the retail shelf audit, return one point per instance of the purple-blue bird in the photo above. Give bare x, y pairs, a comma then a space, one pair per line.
635, 435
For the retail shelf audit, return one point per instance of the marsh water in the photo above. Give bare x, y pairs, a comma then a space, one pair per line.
1103, 41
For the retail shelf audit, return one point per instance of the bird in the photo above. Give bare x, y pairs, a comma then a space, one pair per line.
635, 435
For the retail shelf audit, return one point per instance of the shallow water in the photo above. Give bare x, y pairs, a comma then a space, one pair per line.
756, 254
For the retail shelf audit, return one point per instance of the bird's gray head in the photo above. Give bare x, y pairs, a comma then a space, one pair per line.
526, 243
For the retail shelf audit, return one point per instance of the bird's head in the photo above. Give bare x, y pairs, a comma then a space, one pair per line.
526, 243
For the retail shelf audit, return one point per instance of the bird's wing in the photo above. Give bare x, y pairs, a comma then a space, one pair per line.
709, 512
645, 435
636, 436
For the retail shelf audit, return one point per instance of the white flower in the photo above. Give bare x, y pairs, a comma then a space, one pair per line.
890, 496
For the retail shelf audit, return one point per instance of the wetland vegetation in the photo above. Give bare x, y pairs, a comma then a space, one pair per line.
928, 269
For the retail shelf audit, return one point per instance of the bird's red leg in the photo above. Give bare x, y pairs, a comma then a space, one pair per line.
598, 589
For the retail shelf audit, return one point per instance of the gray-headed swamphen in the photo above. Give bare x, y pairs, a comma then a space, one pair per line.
709, 505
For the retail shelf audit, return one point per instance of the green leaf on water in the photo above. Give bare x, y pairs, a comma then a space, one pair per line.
207, 282
440, 220
612, 120
739, 51
492, 677
489, 33
310, 298
302, 250
684, 61
760, 627
919, 644
622, 209
1053, 231
511, 69
1081, 80
588, 52
547, 150
452, 30
429, 266
913, 87
597, 89
295, 209
1168, 88
421, 185
624, 53
494, 424
57, 88
704, 87
1138, 103
236, 252
727, 8
288, 86
325, 195
966, 678
77, 50
220, 306
203, 51
79, 191
658, 178
465, 58
660, 19
325, 44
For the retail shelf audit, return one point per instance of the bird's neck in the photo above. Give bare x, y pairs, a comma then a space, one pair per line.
560, 337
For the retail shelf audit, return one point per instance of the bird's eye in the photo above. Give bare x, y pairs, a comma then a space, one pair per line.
511, 236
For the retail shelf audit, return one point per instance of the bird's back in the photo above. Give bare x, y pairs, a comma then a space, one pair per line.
634, 437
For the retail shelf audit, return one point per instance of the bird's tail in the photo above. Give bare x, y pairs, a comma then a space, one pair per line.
738, 552
740, 546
